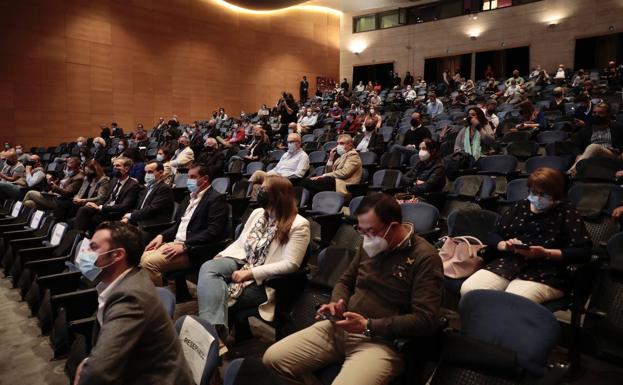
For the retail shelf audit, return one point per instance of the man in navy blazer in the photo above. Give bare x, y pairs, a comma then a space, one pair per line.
202, 221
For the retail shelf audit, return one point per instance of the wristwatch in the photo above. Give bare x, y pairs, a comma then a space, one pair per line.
368, 332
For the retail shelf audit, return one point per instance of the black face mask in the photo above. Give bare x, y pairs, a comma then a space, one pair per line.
209, 149
600, 120
262, 198
415, 122
116, 173
181, 146
491, 111
10, 162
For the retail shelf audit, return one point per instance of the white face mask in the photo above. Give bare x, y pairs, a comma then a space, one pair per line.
375, 245
424, 155
340, 150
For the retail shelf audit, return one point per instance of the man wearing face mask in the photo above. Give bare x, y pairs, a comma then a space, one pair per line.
22, 157
343, 168
392, 289
156, 204
369, 140
494, 120
307, 121
121, 199
292, 165
136, 341
13, 176
533, 242
202, 220
184, 155
351, 125
65, 189
412, 139
599, 138
213, 157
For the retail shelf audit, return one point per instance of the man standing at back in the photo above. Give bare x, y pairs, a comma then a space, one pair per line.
135, 340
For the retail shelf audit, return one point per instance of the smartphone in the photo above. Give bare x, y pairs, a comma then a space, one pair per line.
521, 246
330, 317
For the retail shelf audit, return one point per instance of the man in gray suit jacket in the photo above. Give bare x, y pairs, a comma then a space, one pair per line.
136, 342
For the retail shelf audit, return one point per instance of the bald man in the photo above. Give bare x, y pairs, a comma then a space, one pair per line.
213, 157
293, 164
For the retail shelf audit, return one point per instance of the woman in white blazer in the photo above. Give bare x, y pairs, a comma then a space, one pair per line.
273, 242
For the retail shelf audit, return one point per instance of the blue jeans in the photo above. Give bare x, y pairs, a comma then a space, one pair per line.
212, 291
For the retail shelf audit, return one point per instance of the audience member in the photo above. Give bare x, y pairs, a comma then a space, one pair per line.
351, 125
340, 172
369, 140
66, 188
428, 174
164, 156
475, 134
136, 341
416, 134
212, 157
95, 188
554, 234
273, 242
13, 177
434, 106
183, 156
121, 199
202, 220
391, 290
293, 164
516, 78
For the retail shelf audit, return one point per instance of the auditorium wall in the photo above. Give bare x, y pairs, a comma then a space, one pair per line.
524, 25
67, 66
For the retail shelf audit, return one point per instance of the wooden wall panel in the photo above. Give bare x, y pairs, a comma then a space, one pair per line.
66, 67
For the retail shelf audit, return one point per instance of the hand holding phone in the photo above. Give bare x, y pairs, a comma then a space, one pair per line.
520, 246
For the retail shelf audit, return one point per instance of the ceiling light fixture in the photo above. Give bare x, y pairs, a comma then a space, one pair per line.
312, 8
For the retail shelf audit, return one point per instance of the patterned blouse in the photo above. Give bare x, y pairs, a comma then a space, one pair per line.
561, 227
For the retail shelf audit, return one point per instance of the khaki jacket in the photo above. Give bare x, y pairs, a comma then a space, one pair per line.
346, 170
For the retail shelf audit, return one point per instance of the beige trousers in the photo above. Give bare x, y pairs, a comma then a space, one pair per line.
593, 151
156, 263
366, 362
38, 201
534, 291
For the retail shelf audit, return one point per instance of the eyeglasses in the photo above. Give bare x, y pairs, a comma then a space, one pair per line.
539, 194
372, 232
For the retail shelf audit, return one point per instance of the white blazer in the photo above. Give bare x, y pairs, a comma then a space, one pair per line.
281, 259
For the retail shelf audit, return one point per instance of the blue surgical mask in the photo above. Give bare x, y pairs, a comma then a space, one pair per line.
150, 179
540, 203
191, 185
160, 157
86, 263
69, 173
291, 147
97, 145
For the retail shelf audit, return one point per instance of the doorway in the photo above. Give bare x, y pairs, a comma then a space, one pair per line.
596, 52
503, 62
373, 73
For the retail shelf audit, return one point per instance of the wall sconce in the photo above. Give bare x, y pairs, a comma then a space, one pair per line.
611, 28
357, 47
552, 24
473, 37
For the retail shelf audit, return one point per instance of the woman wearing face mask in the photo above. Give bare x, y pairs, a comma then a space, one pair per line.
100, 152
428, 174
258, 148
475, 135
533, 243
164, 156
373, 118
122, 145
95, 188
273, 242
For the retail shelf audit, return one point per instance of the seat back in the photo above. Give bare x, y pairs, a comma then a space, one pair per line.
513, 322
253, 167
329, 145
57, 233
368, 158
387, 178
473, 222
599, 169
353, 205
497, 164
317, 157
559, 163
481, 186
551, 137
221, 184
168, 300
179, 181
328, 202
199, 341
522, 149
391, 160
517, 189
422, 215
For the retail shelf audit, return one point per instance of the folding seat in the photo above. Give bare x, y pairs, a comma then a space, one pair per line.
598, 169
326, 211
252, 167
595, 202
424, 218
504, 339
516, 190
369, 159
475, 191
501, 168
387, 181
559, 163
328, 146
547, 137
387, 133
523, 150
222, 185
393, 160
317, 158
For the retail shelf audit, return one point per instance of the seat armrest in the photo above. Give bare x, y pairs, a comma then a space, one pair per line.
77, 304
26, 243
36, 253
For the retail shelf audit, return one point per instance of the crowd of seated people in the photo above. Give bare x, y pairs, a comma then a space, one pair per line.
135, 178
